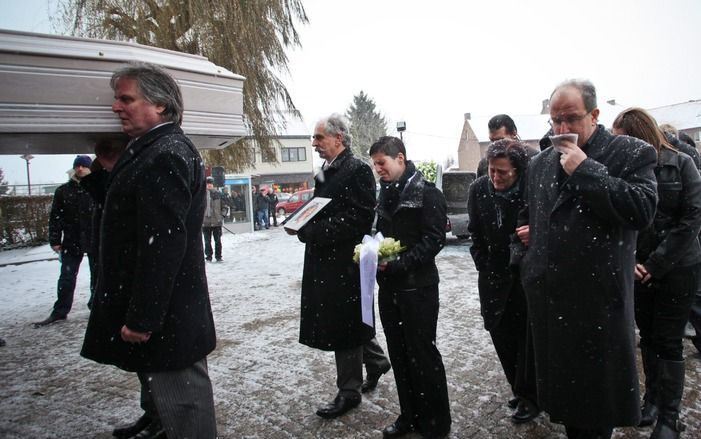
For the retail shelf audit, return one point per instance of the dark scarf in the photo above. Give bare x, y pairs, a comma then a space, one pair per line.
505, 198
391, 191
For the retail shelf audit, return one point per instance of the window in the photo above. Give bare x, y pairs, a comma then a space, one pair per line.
294, 154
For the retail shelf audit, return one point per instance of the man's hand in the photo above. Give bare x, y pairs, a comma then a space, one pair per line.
571, 156
56, 248
641, 274
523, 234
134, 337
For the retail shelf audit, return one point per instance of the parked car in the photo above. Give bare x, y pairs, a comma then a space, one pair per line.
283, 196
294, 202
455, 185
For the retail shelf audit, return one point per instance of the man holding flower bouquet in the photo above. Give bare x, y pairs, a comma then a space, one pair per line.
412, 211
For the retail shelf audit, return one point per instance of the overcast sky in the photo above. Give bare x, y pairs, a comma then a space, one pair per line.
428, 63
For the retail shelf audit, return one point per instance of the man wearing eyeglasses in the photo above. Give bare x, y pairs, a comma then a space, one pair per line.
586, 201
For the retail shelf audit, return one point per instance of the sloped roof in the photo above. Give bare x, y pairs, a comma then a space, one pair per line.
683, 116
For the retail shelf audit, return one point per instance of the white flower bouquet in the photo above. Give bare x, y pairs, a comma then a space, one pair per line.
388, 250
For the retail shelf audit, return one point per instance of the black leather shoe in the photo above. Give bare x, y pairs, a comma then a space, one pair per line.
340, 405
49, 320
513, 402
130, 430
371, 380
154, 430
525, 412
397, 429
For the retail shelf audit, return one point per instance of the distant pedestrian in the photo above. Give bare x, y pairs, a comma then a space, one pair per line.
272, 205
70, 235
262, 212
213, 219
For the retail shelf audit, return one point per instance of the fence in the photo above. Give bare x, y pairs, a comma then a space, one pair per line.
35, 189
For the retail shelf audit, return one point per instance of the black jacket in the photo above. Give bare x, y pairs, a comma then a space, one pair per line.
331, 315
669, 242
493, 217
413, 211
152, 275
70, 220
578, 277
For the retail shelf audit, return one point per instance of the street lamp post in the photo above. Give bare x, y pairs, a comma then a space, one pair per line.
28, 157
401, 127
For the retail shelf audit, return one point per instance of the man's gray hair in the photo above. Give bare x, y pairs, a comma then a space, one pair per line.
669, 129
338, 124
585, 87
156, 86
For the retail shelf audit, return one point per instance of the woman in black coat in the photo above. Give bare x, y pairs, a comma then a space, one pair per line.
413, 211
494, 202
668, 258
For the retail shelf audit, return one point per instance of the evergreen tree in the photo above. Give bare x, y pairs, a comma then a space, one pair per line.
367, 125
4, 187
246, 37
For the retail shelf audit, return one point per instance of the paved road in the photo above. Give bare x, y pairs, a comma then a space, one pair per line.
267, 385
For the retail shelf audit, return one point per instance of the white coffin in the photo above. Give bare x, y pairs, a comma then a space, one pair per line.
55, 96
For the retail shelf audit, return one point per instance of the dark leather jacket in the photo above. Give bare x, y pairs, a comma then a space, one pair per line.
671, 240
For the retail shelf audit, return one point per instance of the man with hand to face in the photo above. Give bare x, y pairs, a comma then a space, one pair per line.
585, 203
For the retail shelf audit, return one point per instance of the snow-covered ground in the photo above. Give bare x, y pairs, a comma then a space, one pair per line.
266, 385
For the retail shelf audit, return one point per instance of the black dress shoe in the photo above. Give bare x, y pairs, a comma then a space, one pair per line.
49, 320
371, 380
340, 405
397, 429
130, 430
154, 430
525, 411
513, 402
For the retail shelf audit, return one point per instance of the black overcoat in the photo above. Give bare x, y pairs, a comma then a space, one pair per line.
152, 275
418, 221
493, 219
331, 316
578, 278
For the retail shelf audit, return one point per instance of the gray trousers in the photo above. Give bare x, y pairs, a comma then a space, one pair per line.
349, 366
182, 400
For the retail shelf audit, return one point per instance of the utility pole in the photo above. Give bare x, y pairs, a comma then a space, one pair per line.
28, 157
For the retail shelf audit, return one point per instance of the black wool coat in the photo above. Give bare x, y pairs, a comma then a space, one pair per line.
417, 219
493, 220
331, 315
70, 224
152, 275
578, 278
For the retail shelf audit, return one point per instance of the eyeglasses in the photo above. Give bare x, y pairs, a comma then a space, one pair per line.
569, 120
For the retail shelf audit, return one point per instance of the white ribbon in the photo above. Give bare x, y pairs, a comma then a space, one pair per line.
368, 271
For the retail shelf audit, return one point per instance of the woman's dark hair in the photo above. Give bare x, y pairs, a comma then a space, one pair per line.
512, 150
388, 145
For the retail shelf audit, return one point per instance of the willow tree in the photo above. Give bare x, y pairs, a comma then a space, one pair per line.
366, 124
247, 37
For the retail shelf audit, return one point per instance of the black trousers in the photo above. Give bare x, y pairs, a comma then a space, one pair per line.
70, 264
409, 318
208, 233
513, 342
662, 310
